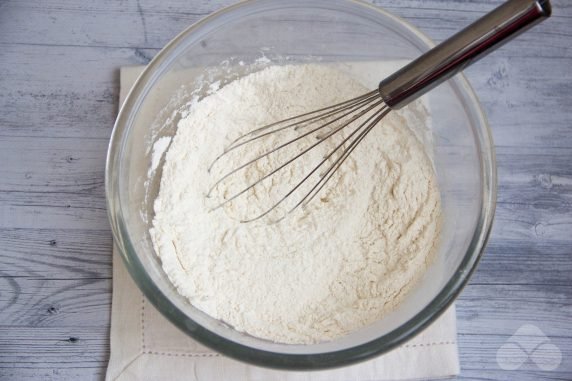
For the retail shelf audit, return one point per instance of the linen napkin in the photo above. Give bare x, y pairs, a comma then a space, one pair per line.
146, 346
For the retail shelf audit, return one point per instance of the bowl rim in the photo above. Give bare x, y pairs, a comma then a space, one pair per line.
289, 361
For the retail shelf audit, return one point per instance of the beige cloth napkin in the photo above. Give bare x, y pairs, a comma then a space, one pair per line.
146, 346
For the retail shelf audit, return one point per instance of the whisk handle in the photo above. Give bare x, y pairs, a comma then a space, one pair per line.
462, 49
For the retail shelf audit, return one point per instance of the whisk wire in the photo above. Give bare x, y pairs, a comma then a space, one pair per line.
323, 139
377, 116
326, 111
334, 167
252, 161
329, 111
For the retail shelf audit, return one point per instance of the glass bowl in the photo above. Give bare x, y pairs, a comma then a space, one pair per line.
249, 35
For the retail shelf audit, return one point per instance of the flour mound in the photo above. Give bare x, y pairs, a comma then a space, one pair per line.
324, 271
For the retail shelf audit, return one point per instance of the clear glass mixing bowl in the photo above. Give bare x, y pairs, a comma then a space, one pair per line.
249, 34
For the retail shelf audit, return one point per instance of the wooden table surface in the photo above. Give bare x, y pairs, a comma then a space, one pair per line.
59, 62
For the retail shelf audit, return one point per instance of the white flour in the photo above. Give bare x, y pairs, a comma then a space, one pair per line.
324, 271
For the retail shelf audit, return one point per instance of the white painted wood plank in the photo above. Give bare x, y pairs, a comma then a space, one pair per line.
71, 165
44, 210
500, 309
479, 362
56, 253
541, 263
54, 92
42, 302
68, 353
151, 24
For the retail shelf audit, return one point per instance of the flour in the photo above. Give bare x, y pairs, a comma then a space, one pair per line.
159, 149
325, 270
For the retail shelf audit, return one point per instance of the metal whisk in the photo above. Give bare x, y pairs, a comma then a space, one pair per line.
355, 118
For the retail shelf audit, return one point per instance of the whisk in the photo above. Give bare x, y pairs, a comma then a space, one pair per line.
358, 116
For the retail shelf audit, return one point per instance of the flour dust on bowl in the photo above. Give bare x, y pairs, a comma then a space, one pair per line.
344, 48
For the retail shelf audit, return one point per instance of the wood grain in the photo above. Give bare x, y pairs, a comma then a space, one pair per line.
41, 302
56, 253
65, 353
480, 362
58, 100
